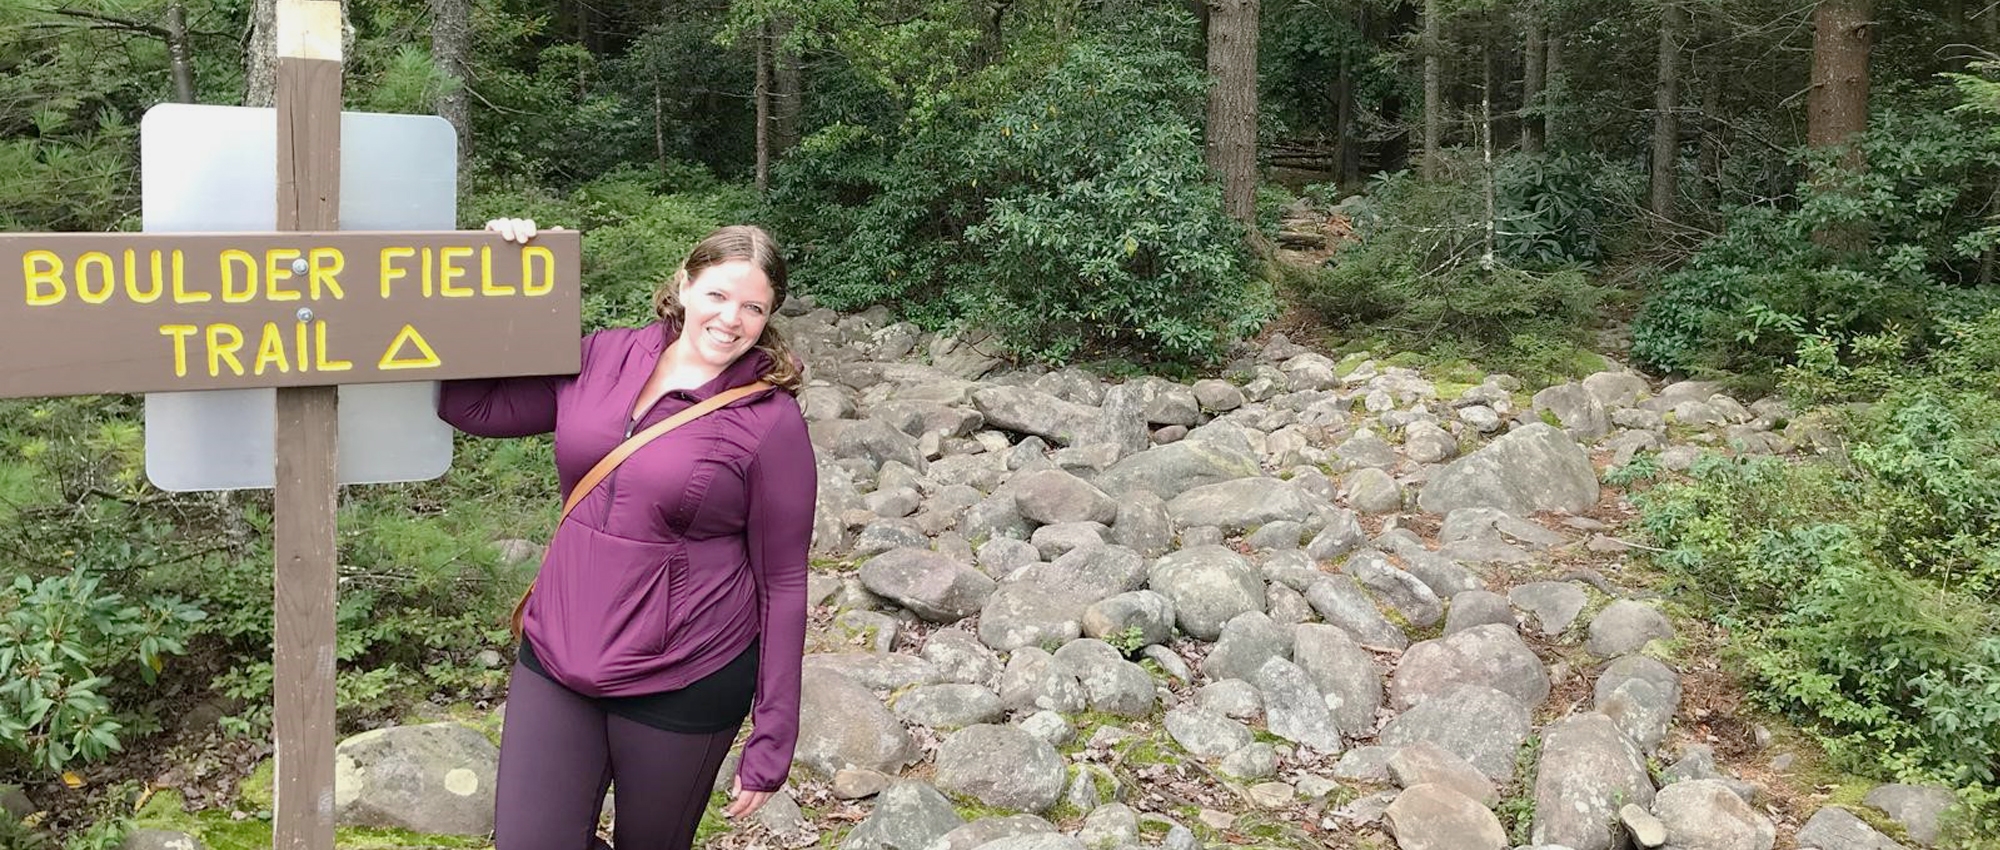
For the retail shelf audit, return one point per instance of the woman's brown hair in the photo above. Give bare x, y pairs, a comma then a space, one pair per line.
749, 243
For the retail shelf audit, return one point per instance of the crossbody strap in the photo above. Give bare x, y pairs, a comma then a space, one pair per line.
597, 473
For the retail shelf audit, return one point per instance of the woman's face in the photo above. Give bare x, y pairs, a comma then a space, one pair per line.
724, 310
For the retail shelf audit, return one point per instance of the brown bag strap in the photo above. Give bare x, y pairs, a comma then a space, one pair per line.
632, 444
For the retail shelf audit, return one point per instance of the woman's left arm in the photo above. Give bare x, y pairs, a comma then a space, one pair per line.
783, 488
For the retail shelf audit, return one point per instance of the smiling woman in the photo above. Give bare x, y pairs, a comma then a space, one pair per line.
671, 603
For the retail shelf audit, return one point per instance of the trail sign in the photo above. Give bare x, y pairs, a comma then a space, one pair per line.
103, 313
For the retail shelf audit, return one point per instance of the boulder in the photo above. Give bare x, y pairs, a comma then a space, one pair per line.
1588, 771
1032, 780
908, 815
843, 725
932, 586
1531, 469
1208, 586
1436, 817
435, 778
1493, 655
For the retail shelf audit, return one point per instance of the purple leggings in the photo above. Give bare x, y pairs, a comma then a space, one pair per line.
558, 754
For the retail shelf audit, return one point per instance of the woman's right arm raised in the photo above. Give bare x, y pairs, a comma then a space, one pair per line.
504, 407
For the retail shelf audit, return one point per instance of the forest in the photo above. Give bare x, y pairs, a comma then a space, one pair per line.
1799, 199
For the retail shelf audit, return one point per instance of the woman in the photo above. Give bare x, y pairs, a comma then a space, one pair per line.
671, 603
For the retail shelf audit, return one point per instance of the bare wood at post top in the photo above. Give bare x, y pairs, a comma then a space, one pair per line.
303, 529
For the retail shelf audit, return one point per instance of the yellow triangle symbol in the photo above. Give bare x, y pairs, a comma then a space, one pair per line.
392, 360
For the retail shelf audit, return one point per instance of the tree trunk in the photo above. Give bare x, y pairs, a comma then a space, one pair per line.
260, 55
451, 45
1347, 162
1232, 105
1433, 89
993, 32
659, 123
1709, 161
1531, 82
1666, 102
1837, 108
179, 56
787, 117
1554, 87
1487, 259
763, 98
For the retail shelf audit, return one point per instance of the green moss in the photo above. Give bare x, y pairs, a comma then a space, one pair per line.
1348, 364
258, 791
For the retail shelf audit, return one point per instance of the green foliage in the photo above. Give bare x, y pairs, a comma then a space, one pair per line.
1860, 593
1062, 204
1419, 277
1897, 248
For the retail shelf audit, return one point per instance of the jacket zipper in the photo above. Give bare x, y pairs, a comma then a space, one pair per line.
611, 481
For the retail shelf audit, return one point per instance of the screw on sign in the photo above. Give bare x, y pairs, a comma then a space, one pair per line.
304, 310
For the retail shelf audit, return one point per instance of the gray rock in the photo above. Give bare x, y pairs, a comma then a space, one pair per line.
1427, 443
1035, 841
1205, 733
951, 706
1640, 695
1021, 683
1170, 470
960, 657
1435, 817
1347, 675
1625, 627
1282, 535
1482, 418
160, 839
1218, 396
1141, 616
1170, 663
1579, 411
1208, 585
1240, 505
1112, 684
1646, 830
1535, 468
1704, 814
1121, 423
1024, 613
1287, 606
1254, 761
1109, 826
1475, 723
843, 725
871, 630
1588, 771
895, 502
1091, 572
1049, 726
1142, 524
15, 802
781, 817
1372, 491
851, 784
1055, 541
1231, 697
1445, 576
1248, 640
879, 442
995, 517
1033, 778
888, 535
1916, 807
1091, 786
1050, 496
1474, 608
1616, 390
1366, 449
908, 815
1001, 556
1342, 534
1172, 404
1342, 603
1697, 761
885, 672
1368, 765
1294, 709
435, 778
1424, 763
1030, 412
1491, 655
934, 587
1835, 828
1553, 604
989, 830
1405, 592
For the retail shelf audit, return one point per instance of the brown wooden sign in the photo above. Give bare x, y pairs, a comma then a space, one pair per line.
127, 312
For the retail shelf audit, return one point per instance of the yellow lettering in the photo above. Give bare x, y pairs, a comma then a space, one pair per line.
181, 294
231, 258
132, 290
390, 273
43, 271
220, 349
486, 284
326, 263
529, 285
277, 267
322, 362
299, 337
425, 262
180, 333
271, 350
450, 270
393, 358
96, 260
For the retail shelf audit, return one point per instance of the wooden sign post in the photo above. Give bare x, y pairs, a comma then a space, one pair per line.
304, 310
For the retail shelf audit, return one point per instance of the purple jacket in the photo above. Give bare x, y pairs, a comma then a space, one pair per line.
692, 548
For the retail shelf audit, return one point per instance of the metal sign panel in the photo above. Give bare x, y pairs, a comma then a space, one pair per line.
107, 313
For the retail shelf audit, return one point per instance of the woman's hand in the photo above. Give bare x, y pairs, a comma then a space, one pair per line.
515, 229
743, 803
